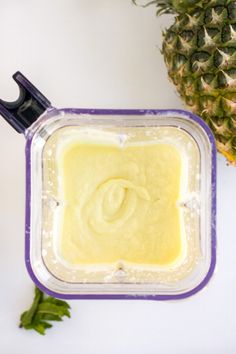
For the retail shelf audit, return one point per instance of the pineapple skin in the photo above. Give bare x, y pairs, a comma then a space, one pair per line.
200, 53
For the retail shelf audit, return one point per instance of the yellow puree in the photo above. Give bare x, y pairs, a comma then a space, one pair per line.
120, 204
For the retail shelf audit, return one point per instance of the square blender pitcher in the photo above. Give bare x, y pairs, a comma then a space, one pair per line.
120, 204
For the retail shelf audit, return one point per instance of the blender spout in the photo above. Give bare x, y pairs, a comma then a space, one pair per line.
29, 106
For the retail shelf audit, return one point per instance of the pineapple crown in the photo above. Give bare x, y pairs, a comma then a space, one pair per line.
171, 6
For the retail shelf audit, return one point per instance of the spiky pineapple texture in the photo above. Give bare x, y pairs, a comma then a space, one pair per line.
200, 53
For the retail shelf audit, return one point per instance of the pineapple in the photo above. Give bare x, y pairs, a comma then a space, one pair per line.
200, 54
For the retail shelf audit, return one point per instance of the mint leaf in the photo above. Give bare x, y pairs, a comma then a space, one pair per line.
43, 309
41, 327
50, 308
26, 317
50, 317
58, 302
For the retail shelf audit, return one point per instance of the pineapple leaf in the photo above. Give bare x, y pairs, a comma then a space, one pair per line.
170, 6
163, 6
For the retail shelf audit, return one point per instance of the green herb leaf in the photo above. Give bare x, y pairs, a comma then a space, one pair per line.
40, 327
50, 317
58, 302
48, 308
27, 316
44, 308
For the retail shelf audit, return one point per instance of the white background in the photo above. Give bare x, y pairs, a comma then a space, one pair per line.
101, 54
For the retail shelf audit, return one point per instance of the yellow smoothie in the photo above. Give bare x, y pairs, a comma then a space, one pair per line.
120, 203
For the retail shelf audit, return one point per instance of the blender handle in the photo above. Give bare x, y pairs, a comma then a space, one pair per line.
29, 106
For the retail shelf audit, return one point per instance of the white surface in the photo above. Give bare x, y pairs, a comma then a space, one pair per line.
90, 53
